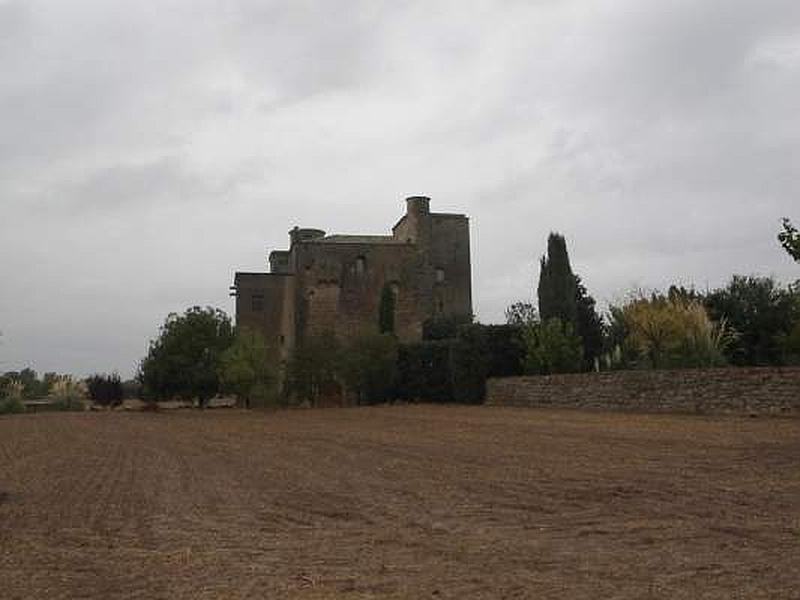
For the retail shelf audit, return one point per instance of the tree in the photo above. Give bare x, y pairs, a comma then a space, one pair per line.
557, 288
521, 313
248, 367
184, 360
761, 312
589, 325
386, 310
552, 347
444, 328
315, 363
790, 239
105, 390
369, 367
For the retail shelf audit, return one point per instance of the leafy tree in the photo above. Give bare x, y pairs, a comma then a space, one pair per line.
789, 344
424, 371
557, 289
248, 367
470, 363
589, 325
369, 367
184, 360
131, 388
444, 328
761, 312
105, 390
386, 310
521, 313
790, 239
552, 347
316, 362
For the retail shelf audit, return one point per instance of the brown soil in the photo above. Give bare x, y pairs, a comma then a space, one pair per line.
398, 502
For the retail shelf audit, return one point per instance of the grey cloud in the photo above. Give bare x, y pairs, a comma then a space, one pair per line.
149, 150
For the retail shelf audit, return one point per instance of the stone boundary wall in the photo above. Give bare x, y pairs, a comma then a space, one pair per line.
746, 390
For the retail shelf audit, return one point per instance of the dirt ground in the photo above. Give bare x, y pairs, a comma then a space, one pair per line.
398, 502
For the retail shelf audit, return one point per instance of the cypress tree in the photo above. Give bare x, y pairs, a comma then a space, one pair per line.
590, 325
557, 285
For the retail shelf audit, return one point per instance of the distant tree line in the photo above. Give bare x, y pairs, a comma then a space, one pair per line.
61, 391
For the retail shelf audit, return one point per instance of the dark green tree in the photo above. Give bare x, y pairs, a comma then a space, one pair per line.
761, 312
386, 310
790, 239
248, 368
589, 325
521, 313
444, 328
557, 289
369, 367
105, 390
552, 347
315, 364
184, 361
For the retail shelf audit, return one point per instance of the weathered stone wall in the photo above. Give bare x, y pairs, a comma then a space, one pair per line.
334, 283
730, 390
335, 294
261, 305
450, 253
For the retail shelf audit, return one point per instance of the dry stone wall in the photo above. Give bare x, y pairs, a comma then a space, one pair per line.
756, 390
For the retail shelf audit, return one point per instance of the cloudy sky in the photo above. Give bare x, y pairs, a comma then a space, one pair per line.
150, 149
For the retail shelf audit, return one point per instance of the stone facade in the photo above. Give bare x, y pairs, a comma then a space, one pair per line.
334, 282
752, 390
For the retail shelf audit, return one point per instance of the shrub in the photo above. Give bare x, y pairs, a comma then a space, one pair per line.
68, 394
315, 365
674, 332
248, 369
424, 372
369, 367
762, 312
105, 390
552, 347
10, 406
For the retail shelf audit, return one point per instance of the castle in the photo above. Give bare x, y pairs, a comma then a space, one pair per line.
334, 283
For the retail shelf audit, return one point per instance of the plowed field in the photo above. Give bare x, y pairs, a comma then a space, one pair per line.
398, 502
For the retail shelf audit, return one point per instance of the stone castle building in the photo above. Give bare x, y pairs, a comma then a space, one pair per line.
334, 282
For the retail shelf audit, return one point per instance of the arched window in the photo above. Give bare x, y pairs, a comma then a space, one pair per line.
440, 275
361, 266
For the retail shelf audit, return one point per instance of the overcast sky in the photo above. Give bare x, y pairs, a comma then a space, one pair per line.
149, 149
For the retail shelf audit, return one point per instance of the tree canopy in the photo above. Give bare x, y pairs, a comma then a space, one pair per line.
184, 360
762, 312
790, 239
248, 368
557, 285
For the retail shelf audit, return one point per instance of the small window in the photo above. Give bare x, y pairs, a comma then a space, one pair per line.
257, 302
439, 275
281, 340
361, 265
